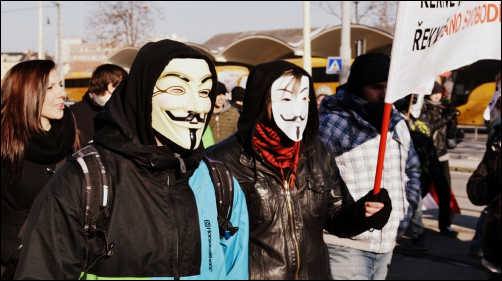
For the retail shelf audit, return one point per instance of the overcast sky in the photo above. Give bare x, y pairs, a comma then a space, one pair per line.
196, 21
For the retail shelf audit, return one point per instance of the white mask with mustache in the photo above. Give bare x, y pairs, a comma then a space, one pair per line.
181, 102
290, 109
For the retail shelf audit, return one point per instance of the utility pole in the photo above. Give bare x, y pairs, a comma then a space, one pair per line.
307, 57
41, 55
345, 50
60, 44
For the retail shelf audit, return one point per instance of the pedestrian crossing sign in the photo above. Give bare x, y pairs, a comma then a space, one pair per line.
334, 65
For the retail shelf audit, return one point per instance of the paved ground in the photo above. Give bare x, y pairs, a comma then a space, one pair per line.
447, 258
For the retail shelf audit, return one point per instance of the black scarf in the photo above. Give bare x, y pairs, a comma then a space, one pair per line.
370, 112
52, 146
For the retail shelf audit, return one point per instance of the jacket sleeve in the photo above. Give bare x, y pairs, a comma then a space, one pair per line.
443, 121
236, 248
412, 188
344, 218
54, 244
484, 186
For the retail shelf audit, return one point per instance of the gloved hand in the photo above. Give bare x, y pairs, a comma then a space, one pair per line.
379, 219
451, 113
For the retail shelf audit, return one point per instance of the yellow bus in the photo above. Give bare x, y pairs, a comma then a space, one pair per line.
232, 75
473, 89
76, 84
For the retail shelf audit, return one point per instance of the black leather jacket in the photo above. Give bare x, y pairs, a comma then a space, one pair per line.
286, 236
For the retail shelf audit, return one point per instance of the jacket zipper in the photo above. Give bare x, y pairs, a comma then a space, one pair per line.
291, 215
176, 274
293, 231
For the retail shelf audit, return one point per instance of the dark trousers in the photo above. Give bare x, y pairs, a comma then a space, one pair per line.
442, 185
443, 191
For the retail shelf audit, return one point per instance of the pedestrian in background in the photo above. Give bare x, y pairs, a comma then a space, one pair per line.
484, 188
225, 116
493, 110
38, 135
322, 92
437, 118
350, 126
238, 98
104, 80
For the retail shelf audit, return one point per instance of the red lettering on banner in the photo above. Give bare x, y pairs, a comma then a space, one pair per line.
481, 14
476, 11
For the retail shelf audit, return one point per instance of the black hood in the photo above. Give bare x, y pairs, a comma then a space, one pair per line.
124, 126
257, 94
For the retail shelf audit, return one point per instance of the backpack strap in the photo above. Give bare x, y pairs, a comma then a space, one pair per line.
224, 191
96, 199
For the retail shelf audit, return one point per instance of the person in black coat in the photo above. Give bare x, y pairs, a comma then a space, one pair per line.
484, 188
292, 184
437, 118
104, 81
38, 135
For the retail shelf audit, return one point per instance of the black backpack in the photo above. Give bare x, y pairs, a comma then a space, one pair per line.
98, 195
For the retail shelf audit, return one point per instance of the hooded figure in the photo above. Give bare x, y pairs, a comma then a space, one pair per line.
292, 184
163, 220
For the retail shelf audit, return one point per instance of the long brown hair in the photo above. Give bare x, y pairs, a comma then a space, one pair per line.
23, 94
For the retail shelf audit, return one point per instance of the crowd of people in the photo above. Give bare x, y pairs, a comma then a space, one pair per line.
157, 174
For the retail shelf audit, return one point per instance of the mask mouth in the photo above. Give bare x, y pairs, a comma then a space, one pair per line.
190, 118
294, 118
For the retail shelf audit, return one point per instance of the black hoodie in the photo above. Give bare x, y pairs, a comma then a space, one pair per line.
154, 220
257, 95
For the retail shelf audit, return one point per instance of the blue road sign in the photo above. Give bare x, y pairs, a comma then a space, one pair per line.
334, 65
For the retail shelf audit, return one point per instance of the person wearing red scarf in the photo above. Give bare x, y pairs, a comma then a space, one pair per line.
292, 185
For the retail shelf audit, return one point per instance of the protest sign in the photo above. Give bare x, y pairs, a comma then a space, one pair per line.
433, 37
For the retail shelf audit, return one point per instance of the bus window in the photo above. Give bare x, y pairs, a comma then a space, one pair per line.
77, 86
230, 75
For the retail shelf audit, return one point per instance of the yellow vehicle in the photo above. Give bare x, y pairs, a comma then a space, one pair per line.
232, 75
319, 73
76, 85
473, 89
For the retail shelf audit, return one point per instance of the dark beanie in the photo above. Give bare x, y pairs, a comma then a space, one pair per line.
437, 88
222, 89
367, 69
238, 93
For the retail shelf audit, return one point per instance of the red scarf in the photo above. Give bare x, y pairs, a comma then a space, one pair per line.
269, 145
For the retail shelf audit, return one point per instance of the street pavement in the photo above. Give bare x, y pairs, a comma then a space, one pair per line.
447, 258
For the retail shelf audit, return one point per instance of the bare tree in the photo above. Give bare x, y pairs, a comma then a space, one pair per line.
122, 22
385, 13
374, 13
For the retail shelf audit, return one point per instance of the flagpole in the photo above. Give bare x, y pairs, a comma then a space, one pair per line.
391, 85
383, 144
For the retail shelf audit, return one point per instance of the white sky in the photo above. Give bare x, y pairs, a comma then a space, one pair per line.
196, 21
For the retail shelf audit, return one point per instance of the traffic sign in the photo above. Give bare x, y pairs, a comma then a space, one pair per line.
334, 65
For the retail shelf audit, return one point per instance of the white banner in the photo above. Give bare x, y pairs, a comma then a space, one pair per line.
433, 37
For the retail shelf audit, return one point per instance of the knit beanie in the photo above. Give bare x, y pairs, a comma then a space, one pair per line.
367, 69
238, 93
222, 89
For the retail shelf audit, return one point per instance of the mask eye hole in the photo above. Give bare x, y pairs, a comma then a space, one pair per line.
204, 93
175, 91
286, 99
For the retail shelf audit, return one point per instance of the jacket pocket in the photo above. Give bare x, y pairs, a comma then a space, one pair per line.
318, 188
258, 202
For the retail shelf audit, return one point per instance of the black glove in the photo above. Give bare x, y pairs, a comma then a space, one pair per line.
451, 113
378, 220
